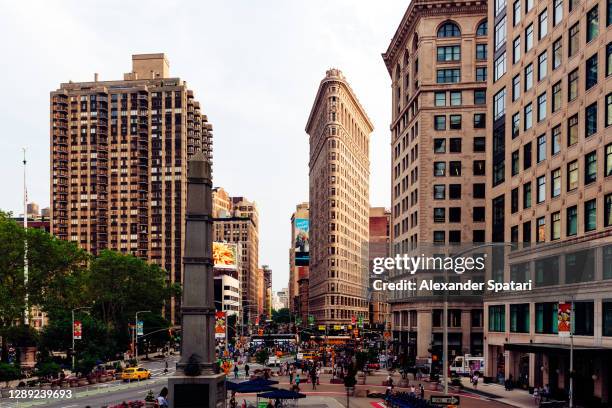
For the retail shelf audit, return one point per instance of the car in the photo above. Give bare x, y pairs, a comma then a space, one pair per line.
273, 361
135, 373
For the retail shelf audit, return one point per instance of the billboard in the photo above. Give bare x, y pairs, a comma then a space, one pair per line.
220, 325
301, 244
225, 255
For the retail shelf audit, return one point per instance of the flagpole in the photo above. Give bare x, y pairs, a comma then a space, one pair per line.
26, 318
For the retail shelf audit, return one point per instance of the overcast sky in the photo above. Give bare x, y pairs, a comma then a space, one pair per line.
255, 66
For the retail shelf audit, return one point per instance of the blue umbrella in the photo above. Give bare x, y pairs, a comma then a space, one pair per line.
231, 386
247, 389
259, 381
282, 394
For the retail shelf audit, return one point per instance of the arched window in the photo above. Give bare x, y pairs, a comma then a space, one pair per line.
482, 29
449, 30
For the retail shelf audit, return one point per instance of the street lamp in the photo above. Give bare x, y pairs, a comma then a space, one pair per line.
72, 328
136, 333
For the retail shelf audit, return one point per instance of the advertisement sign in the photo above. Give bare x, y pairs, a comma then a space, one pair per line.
140, 328
224, 255
337, 327
321, 328
301, 244
77, 330
360, 320
353, 320
310, 319
219, 325
564, 319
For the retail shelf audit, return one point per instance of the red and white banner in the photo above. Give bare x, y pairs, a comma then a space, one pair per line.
564, 319
77, 330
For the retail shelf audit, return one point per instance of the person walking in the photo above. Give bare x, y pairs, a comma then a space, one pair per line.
318, 371
161, 399
246, 371
236, 371
291, 372
297, 382
422, 391
475, 380
313, 378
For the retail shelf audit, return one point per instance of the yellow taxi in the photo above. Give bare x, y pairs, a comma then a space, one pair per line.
135, 373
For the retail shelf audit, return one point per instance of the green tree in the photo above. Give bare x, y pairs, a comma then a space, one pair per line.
281, 315
12, 288
9, 372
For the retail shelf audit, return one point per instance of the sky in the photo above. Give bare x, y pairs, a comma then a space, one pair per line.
255, 67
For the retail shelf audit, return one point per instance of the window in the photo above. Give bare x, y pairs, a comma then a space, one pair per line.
572, 175
516, 124
481, 51
499, 104
454, 191
439, 145
514, 200
529, 37
500, 5
527, 231
609, 58
557, 53
455, 122
455, 145
572, 130
608, 165
479, 167
481, 74
440, 98
527, 195
608, 210
542, 24
497, 318
574, 40
439, 169
609, 17
528, 77
607, 306
516, 12
519, 318
555, 226
454, 168
590, 167
451, 75
591, 71
609, 109
590, 215
478, 190
541, 153
555, 175
480, 97
455, 98
479, 121
572, 85
500, 66
541, 192
439, 237
572, 5
439, 191
528, 116
556, 96
584, 318
439, 214
449, 53
480, 146
516, 87
500, 33
590, 120
454, 214
558, 12
592, 24
542, 65
556, 140
528, 6
449, 29
481, 31
546, 318
516, 50
541, 229
572, 221
542, 107
515, 163
547, 272
440, 122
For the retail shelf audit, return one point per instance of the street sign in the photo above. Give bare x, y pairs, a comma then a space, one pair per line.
310, 319
321, 328
361, 321
444, 399
77, 330
139, 328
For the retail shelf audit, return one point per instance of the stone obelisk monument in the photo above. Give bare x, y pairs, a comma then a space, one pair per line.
197, 382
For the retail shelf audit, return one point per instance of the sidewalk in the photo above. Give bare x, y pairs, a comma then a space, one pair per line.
516, 397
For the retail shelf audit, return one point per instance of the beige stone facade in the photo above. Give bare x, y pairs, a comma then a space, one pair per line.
119, 152
437, 61
551, 191
339, 132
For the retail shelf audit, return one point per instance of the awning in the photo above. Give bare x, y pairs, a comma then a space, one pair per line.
551, 348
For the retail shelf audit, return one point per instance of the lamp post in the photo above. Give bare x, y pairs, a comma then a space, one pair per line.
136, 334
72, 328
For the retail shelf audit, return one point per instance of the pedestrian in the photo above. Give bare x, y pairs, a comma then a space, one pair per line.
166, 367
235, 370
318, 375
536, 396
297, 382
161, 399
475, 380
291, 372
422, 391
313, 378
243, 405
412, 391
233, 400
246, 370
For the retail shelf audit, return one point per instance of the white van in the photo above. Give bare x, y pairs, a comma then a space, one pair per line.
467, 365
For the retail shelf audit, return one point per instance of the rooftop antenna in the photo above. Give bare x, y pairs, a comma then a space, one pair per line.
26, 314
